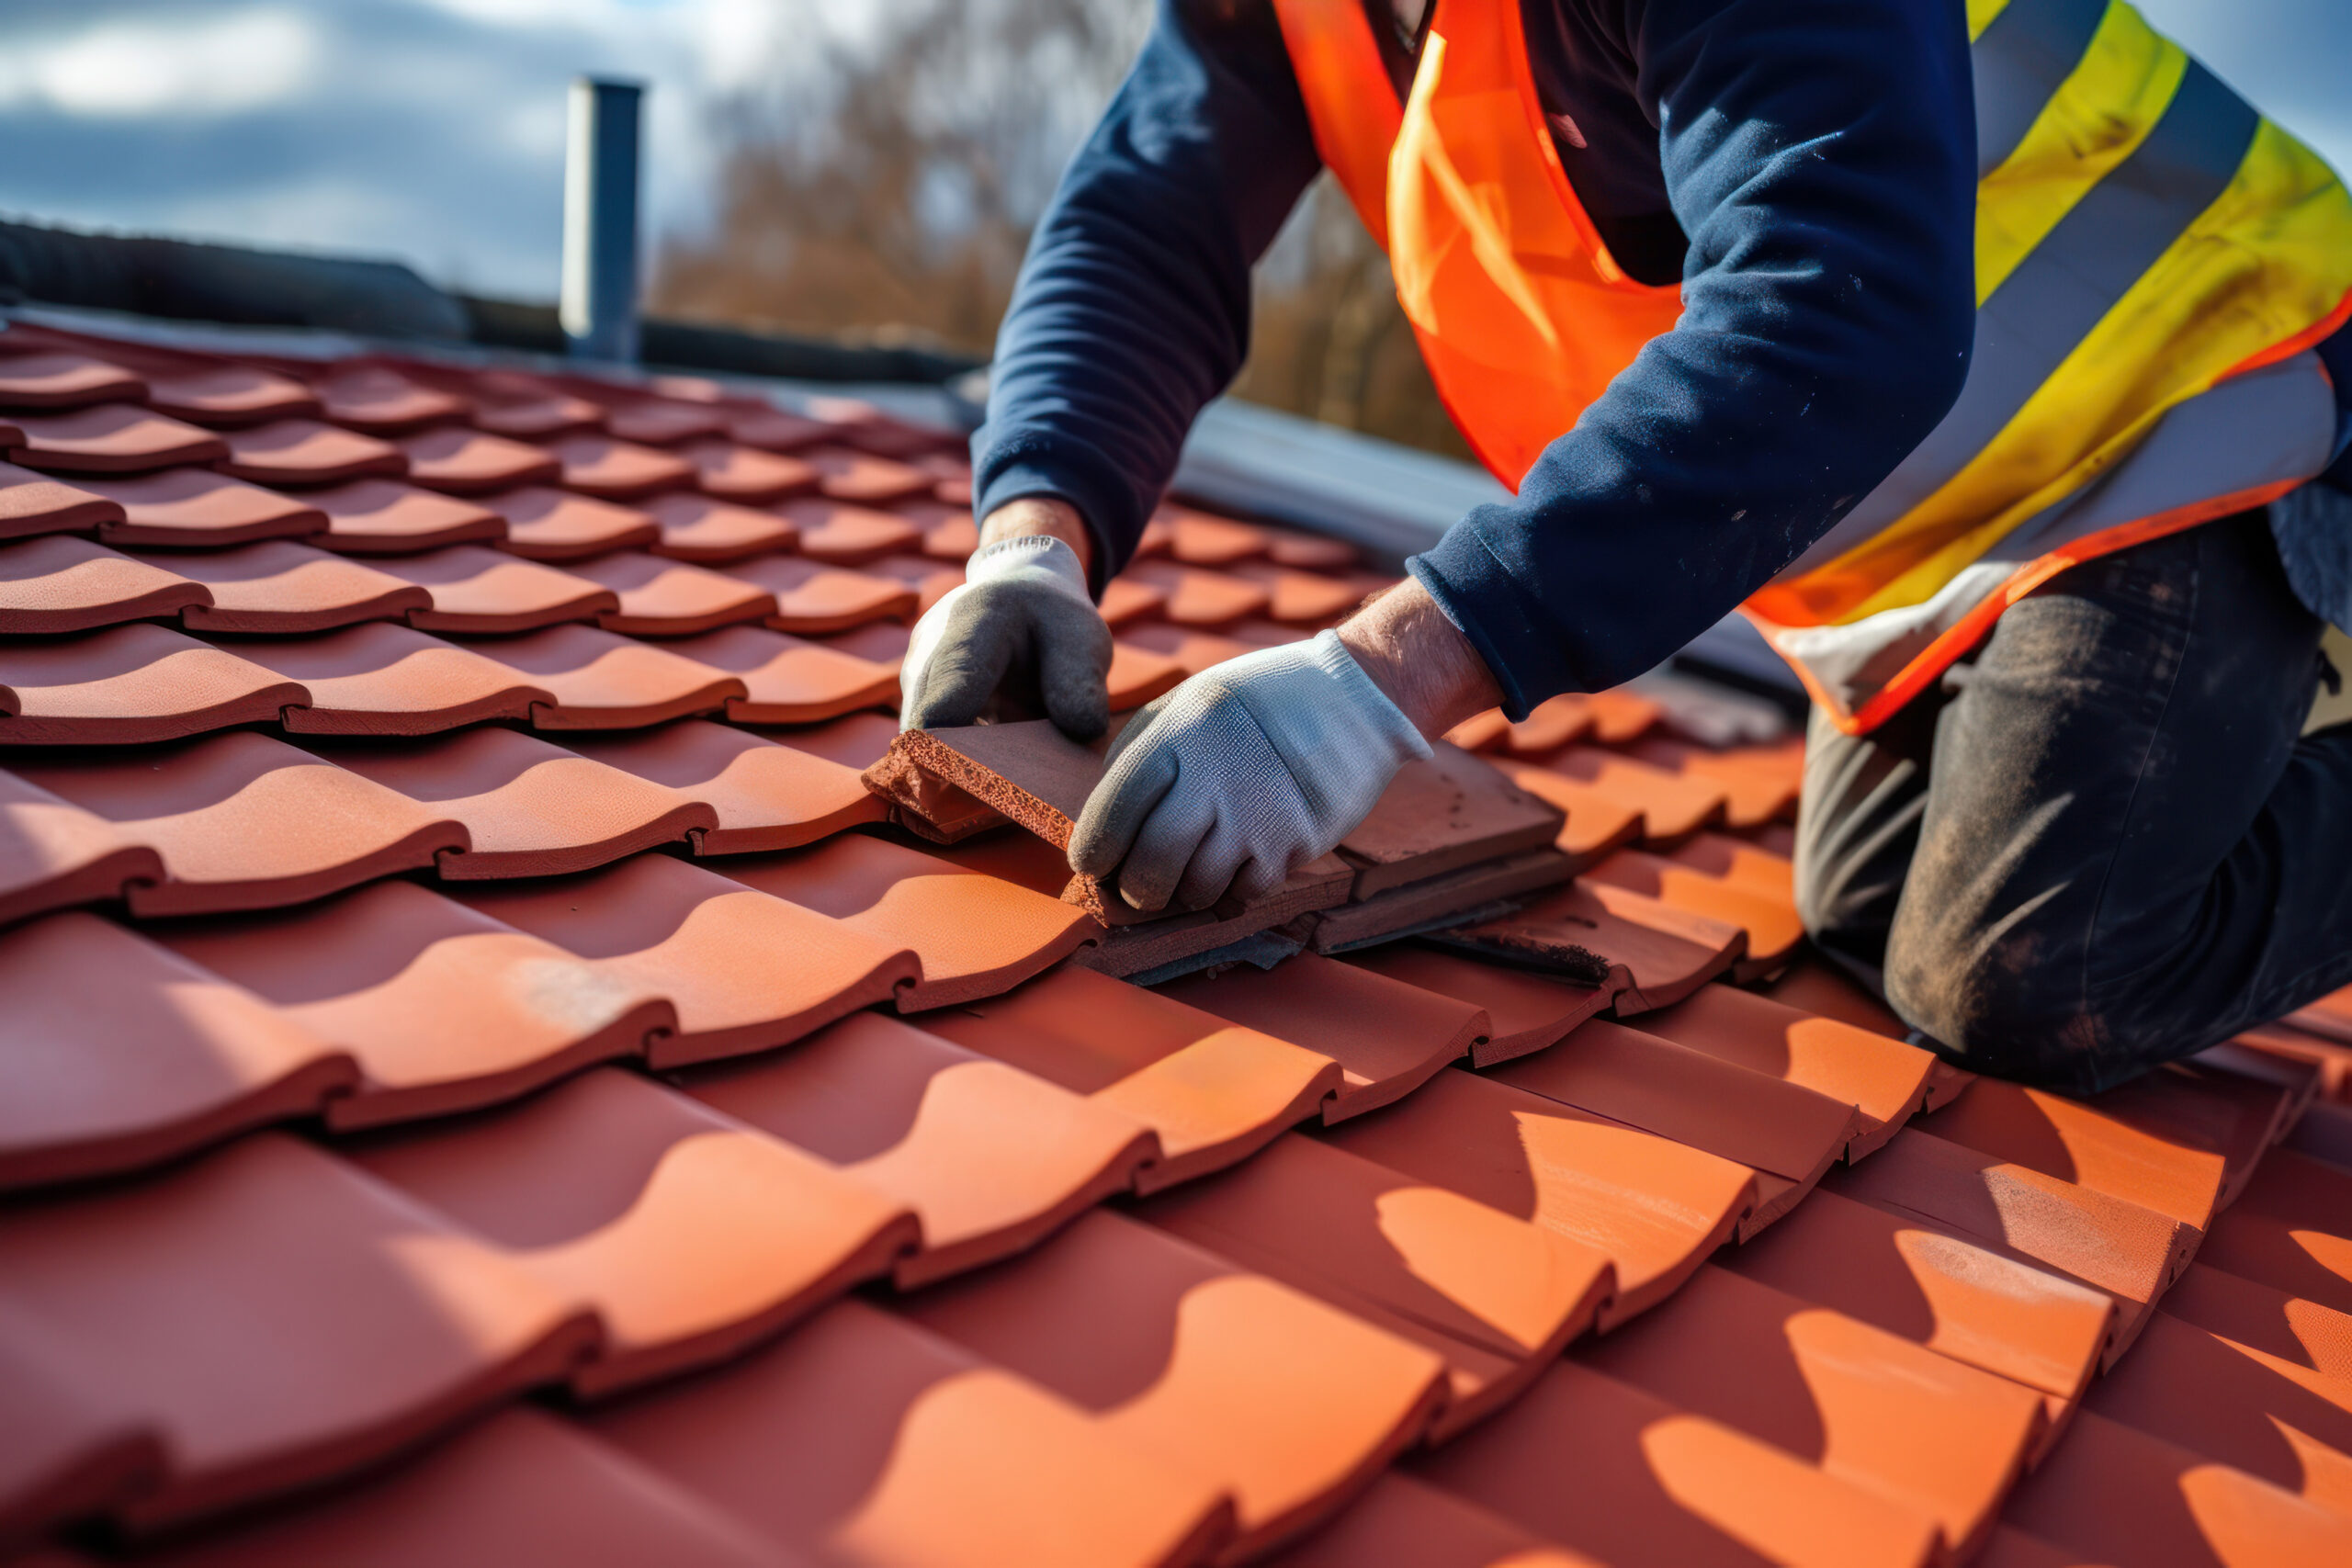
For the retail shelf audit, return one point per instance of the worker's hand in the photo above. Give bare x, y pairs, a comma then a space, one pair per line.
1241, 775
1022, 621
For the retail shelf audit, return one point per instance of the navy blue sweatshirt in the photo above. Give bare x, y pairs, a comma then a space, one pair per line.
1805, 167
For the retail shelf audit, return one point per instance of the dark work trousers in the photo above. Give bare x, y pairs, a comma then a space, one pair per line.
2101, 844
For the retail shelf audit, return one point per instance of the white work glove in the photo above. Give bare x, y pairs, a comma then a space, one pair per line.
1241, 775
1021, 620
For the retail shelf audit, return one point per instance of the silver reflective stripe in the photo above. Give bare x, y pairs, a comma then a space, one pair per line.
2271, 427
2063, 289
2019, 62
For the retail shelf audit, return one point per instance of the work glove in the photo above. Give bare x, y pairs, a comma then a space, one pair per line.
1021, 620
1241, 775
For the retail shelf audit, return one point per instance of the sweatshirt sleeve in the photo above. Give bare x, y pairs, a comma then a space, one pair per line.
1132, 311
1820, 154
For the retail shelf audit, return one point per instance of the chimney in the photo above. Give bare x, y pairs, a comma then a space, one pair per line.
599, 304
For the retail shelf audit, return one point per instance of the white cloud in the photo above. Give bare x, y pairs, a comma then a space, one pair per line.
227, 64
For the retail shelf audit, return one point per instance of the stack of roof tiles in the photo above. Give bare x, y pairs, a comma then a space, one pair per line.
483, 1082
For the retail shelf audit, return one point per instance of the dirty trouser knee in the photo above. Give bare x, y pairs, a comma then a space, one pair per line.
2101, 844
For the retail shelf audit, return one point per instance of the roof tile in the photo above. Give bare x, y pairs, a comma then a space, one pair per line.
1526, 1011
61, 583
931, 580
1601, 935
709, 945
863, 479
1449, 811
1290, 1405
614, 470
380, 400
2288, 1231
553, 525
689, 1234
663, 422
1214, 1093
198, 507
280, 1316
1301, 598
2082, 1140
747, 474
1672, 806
381, 679
1123, 599
279, 588
990, 1158
672, 598
1198, 598
791, 681
1597, 824
54, 855
1657, 1208
1195, 651
459, 461
65, 1450
475, 590
1772, 925
118, 1054
222, 396
1196, 538
246, 822
911, 1450
530, 410
766, 796
1137, 675
1759, 782
950, 534
603, 681
112, 438
64, 381
531, 809
840, 534
812, 598
306, 452
1409, 1523
385, 517
34, 503
443, 1009
132, 684
697, 528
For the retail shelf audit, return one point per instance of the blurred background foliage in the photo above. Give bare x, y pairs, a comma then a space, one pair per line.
889, 195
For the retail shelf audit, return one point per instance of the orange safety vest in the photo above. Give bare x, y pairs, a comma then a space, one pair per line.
2154, 261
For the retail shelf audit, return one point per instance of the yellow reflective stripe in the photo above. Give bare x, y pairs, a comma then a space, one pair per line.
2270, 258
1981, 14
2097, 116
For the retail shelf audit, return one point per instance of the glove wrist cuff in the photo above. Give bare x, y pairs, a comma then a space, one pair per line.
1029, 553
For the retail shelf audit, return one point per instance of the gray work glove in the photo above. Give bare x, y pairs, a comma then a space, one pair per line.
1021, 621
1241, 775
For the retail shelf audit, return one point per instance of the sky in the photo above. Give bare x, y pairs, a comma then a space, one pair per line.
431, 131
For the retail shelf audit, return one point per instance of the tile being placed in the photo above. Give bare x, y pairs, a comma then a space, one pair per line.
1681, 1488
1866, 1405
698, 529
838, 534
1884, 1080
1526, 1011
670, 598
976, 936
529, 808
522, 1485
459, 461
112, 438
198, 508
34, 503
1771, 923
911, 1450
115, 1054
475, 590
442, 1009
767, 796
1496, 1296
1291, 1405
1604, 936
279, 1317
1440, 815
278, 588
303, 452
791, 680
614, 470
603, 681
554, 525
990, 1159
128, 686
37, 381
710, 945
688, 1233
1778, 1129
812, 598
729, 471
381, 679
1656, 1208
1028, 771
54, 855
385, 517
1214, 1092
245, 822
1388, 1036
61, 583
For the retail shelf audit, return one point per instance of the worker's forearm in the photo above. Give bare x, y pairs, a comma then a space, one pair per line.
1035, 514
1419, 660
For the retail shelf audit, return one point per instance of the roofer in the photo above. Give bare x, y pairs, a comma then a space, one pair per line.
1983, 353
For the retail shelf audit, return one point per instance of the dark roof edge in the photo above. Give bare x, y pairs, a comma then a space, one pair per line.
184, 281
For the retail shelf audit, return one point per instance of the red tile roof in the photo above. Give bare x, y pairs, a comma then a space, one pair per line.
454, 976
